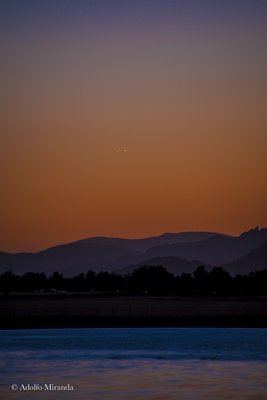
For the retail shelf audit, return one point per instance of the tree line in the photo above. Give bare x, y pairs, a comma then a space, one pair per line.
146, 280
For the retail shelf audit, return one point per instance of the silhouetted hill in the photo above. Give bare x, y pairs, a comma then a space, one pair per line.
254, 236
216, 250
253, 261
16, 261
146, 243
175, 265
70, 258
176, 251
96, 253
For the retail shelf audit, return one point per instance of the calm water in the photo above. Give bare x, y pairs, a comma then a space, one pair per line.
158, 364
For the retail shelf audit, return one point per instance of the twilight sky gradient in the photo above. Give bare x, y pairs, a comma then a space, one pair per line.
180, 84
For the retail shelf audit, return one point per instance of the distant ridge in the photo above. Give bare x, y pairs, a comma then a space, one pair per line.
178, 252
254, 260
147, 242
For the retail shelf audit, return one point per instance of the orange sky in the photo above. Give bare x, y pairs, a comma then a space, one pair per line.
187, 101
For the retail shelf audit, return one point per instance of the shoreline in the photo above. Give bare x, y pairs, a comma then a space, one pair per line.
29, 312
134, 322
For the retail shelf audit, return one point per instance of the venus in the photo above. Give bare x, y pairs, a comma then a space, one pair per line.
121, 150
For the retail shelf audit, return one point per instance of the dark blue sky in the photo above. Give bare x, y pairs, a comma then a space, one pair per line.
28, 11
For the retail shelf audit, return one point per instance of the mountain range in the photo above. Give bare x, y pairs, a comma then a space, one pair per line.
178, 252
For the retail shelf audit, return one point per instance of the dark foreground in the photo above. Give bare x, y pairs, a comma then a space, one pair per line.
124, 311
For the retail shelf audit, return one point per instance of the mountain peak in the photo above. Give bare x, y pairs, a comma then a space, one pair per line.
255, 232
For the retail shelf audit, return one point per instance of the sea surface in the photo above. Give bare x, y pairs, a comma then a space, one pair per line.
136, 363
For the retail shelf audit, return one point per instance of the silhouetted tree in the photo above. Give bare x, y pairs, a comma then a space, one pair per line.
9, 282
258, 283
151, 280
241, 285
33, 281
108, 282
201, 280
184, 285
56, 281
220, 282
78, 283
90, 280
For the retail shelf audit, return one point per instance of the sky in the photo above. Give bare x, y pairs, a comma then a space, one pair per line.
131, 118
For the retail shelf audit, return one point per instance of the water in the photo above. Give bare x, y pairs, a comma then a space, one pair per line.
140, 363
